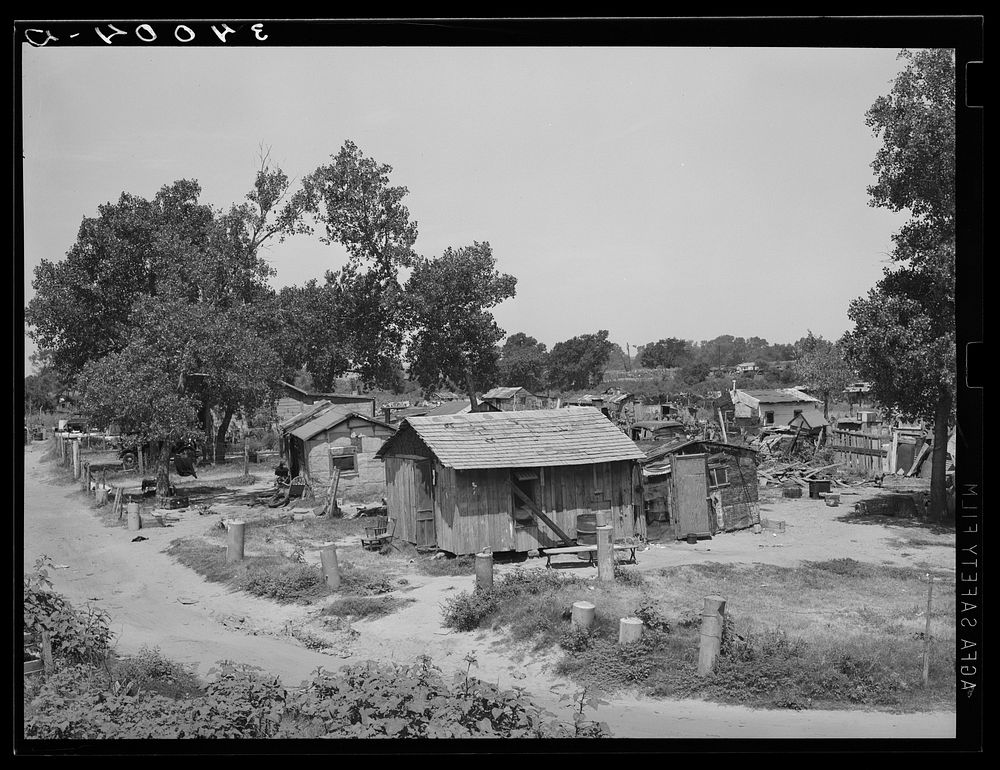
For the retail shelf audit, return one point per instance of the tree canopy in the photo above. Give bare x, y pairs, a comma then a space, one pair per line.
903, 340
523, 362
579, 362
453, 332
821, 369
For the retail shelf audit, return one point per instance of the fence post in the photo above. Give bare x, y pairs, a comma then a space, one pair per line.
47, 652
484, 571
331, 570
76, 459
234, 541
927, 631
605, 554
246, 457
582, 615
629, 631
712, 619
134, 520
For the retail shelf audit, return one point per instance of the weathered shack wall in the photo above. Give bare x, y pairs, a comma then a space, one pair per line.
367, 481
740, 494
475, 509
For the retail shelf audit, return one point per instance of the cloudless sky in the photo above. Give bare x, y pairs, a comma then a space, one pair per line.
653, 192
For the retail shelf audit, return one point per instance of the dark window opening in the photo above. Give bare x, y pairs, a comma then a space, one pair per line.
718, 476
525, 481
343, 458
769, 418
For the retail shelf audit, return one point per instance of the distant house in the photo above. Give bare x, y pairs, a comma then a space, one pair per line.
509, 481
700, 487
292, 401
514, 399
776, 407
747, 367
325, 438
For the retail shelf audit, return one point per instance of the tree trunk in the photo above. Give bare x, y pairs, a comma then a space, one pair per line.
208, 452
939, 457
160, 450
220, 436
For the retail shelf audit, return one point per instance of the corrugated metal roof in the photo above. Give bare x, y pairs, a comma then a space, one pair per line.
502, 393
450, 407
329, 419
535, 438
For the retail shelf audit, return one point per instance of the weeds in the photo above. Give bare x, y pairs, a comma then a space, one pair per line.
149, 670
365, 607
458, 565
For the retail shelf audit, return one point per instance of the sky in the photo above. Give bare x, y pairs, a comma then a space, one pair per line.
650, 191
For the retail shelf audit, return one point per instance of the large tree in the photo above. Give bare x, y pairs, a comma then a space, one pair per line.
666, 353
903, 340
453, 335
523, 362
579, 362
821, 369
358, 209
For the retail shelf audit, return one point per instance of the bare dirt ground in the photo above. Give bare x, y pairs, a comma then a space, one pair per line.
156, 602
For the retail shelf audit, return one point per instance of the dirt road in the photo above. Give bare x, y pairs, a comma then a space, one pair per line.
154, 601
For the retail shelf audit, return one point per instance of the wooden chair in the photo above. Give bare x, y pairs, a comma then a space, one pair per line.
379, 533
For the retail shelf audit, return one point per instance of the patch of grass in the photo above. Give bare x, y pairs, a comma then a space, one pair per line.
365, 607
207, 559
457, 565
363, 581
150, 671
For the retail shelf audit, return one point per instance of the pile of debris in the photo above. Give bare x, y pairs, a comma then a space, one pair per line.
800, 473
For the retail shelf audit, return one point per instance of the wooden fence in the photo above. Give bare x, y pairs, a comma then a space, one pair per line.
861, 452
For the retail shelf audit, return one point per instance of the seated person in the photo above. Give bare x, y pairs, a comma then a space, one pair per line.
281, 473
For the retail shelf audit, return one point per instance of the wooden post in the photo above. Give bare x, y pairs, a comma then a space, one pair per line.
629, 631
140, 454
582, 616
246, 456
602, 519
605, 554
134, 520
484, 571
712, 619
234, 541
927, 631
47, 652
117, 509
722, 422
331, 571
76, 459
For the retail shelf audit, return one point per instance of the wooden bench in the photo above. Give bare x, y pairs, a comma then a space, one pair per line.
591, 551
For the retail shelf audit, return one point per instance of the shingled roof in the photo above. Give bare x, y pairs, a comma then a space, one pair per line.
534, 438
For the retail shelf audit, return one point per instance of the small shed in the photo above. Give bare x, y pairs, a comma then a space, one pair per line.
330, 439
513, 399
768, 408
292, 401
509, 481
700, 487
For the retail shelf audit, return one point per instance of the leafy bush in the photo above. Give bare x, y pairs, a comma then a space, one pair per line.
367, 700
286, 582
378, 700
77, 635
150, 670
467, 611
610, 666
629, 577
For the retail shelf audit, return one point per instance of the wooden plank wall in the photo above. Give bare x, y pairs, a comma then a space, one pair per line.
399, 496
860, 452
470, 518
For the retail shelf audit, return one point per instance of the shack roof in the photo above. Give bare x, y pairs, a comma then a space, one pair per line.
304, 416
534, 438
783, 396
674, 447
450, 407
337, 398
657, 424
331, 419
503, 393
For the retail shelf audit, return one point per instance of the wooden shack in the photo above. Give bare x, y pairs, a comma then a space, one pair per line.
509, 481
328, 439
292, 401
700, 487
514, 399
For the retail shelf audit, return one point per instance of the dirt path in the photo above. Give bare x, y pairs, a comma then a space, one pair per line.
154, 601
